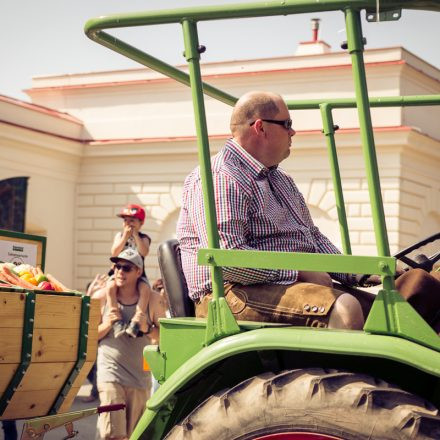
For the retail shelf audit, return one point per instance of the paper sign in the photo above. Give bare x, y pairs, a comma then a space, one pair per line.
17, 252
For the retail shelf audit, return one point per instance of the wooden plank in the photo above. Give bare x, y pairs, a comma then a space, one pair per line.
6, 373
11, 309
55, 345
76, 386
57, 311
82, 375
27, 404
10, 345
68, 400
95, 312
46, 376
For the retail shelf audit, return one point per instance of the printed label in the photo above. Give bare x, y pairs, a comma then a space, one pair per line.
18, 253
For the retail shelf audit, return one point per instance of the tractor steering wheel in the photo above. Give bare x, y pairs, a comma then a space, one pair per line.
420, 261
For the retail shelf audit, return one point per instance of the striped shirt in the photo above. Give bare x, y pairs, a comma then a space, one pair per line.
258, 208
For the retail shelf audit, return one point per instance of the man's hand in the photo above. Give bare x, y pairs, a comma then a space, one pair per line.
374, 280
321, 278
106, 324
97, 284
368, 280
399, 271
111, 318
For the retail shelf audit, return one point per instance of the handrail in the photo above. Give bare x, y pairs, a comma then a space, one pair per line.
248, 10
383, 101
94, 27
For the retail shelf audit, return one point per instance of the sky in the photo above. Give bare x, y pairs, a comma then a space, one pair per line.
46, 37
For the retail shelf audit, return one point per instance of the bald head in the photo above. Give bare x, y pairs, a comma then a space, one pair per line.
251, 106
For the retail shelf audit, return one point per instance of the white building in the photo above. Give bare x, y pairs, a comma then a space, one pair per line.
93, 142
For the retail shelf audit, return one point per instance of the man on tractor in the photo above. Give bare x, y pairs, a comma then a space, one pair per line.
259, 207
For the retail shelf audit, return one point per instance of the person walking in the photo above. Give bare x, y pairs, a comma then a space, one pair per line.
120, 374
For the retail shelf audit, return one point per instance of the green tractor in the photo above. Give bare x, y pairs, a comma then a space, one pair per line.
223, 379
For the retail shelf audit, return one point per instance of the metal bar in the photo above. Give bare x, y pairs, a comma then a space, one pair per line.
38, 427
245, 10
385, 101
192, 56
297, 261
329, 132
83, 335
159, 66
26, 350
147, 60
425, 241
220, 319
355, 48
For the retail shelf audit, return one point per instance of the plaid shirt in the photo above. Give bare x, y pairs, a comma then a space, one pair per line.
258, 208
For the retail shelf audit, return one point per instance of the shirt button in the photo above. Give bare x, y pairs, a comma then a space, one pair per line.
306, 307
314, 309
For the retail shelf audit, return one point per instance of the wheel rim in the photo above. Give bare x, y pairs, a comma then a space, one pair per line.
297, 436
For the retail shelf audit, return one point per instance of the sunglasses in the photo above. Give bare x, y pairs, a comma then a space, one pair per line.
124, 267
287, 124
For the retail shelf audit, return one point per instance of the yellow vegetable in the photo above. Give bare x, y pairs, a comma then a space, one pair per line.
29, 278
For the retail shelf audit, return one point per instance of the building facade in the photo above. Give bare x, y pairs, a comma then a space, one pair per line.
92, 142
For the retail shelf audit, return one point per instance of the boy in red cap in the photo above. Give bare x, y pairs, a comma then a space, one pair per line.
131, 237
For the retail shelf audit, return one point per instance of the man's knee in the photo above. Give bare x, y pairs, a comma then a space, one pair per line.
422, 290
346, 313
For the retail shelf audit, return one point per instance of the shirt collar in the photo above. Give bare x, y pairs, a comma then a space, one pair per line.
253, 165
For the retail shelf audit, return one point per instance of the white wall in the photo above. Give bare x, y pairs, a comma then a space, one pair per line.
52, 165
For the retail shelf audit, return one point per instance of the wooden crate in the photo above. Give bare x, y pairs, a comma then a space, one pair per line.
48, 376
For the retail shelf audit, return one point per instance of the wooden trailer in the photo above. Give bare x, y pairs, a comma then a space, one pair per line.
48, 340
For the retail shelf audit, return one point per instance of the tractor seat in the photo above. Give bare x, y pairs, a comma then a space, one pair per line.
174, 282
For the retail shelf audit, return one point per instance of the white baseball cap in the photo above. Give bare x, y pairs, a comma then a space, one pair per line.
130, 255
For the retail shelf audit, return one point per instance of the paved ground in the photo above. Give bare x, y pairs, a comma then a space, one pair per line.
86, 427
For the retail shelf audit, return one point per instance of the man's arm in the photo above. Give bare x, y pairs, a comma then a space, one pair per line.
157, 309
324, 245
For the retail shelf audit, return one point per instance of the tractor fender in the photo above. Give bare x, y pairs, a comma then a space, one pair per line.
342, 342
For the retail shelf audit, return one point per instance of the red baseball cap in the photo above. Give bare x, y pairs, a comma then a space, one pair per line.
134, 211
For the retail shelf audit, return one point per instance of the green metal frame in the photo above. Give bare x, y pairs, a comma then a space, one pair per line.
392, 325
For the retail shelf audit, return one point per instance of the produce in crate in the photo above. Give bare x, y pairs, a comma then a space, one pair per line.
28, 277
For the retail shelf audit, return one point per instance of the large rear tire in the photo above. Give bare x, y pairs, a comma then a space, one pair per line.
311, 404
